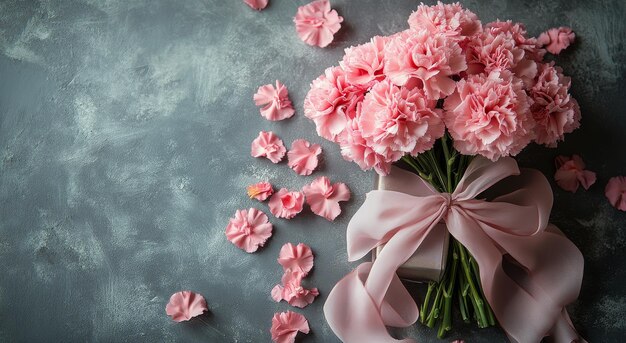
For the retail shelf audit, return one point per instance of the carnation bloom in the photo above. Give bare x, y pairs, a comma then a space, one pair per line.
286, 204
615, 191
260, 191
487, 115
275, 102
364, 64
332, 102
324, 197
285, 326
554, 110
292, 291
185, 305
557, 39
302, 157
493, 51
517, 31
249, 229
398, 120
316, 23
430, 58
571, 173
355, 148
450, 19
297, 258
256, 4
267, 144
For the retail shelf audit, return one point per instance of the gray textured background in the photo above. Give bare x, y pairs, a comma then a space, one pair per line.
125, 129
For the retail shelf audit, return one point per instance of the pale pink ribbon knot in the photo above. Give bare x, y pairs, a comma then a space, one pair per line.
528, 296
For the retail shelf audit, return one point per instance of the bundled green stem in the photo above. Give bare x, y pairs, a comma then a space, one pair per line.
443, 167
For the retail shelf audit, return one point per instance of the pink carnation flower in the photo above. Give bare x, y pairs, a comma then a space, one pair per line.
398, 120
427, 58
285, 326
615, 191
493, 51
557, 39
267, 144
364, 64
316, 23
260, 191
571, 173
487, 115
256, 4
332, 102
275, 102
249, 230
517, 31
297, 258
292, 291
554, 110
302, 157
324, 198
355, 148
185, 305
450, 19
286, 204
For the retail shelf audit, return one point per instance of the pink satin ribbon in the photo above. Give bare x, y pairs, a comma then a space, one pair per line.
529, 302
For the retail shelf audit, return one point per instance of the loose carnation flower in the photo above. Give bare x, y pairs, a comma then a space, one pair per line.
363, 64
277, 105
292, 291
297, 258
303, 156
554, 110
286, 325
286, 204
571, 173
615, 191
249, 229
316, 23
425, 58
260, 191
450, 19
487, 115
324, 197
354, 148
256, 4
557, 39
267, 144
185, 305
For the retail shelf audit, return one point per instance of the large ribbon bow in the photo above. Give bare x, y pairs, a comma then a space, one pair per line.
528, 300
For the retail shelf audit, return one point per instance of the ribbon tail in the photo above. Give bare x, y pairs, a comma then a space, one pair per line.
563, 330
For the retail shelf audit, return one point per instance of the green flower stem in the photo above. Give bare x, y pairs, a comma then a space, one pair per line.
431, 287
474, 291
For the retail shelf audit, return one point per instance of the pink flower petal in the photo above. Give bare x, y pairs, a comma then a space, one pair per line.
185, 305
285, 326
292, 290
275, 102
570, 173
249, 229
324, 198
297, 258
556, 40
256, 4
286, 204
302, 157
260, 191
615, 191
267, 144
316, 23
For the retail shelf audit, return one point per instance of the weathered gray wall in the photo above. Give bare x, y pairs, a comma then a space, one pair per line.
125, 129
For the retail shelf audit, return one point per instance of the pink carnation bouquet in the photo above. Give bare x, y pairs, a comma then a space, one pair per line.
434, 96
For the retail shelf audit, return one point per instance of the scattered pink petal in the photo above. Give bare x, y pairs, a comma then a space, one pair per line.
292, 291
260, 191
556, 40
275, 102
185, 305
316, 23
256, 4
458, 341
267, 144
571, 173
615, 191
286, 204
249, 229
297, 258
324, 198
303, 156
285, 326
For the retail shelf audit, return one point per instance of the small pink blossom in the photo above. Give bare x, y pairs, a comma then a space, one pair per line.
260, 191
316, 23
285, 326
302, 157
487, 115
571, 173
450, 19
249, 229
297, 258
355, 148
324, 197
292, 291
364, 64
267, 144
185, 305
615, 191
556, 39
458, 341
275, 102
256, 4
286, 204
425, 58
